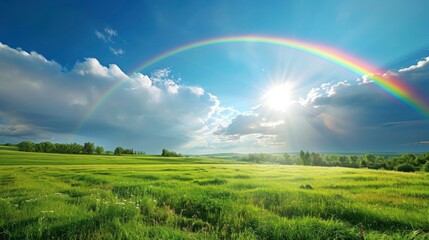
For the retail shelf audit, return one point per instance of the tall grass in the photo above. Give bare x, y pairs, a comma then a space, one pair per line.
56, 196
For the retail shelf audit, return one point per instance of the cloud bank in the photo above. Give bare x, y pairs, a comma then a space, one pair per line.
42, 100
351, 115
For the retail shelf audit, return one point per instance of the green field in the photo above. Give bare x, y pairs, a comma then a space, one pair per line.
58, 196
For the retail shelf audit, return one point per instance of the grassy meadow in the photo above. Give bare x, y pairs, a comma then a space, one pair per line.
59, 196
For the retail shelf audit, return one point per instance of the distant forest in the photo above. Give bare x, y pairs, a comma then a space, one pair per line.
407, 162
70, 148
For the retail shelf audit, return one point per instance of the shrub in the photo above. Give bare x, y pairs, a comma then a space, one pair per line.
306, 186
211, 182
405, 167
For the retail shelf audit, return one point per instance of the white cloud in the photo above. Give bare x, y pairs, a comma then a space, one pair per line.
160, 74
325, 91
312, 95
100, 35
38, 97
110, 32
108, 36
419, 64
118, 51
272, 124
364, 79
343, 116
334, 89
92, 67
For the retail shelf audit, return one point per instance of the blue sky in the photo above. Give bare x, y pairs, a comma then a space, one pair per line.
57, 58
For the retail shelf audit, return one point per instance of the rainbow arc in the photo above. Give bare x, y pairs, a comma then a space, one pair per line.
389, 83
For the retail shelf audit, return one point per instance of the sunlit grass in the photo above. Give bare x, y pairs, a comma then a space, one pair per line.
57, 196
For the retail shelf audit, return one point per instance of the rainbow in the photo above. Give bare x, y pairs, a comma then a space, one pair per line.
389, 83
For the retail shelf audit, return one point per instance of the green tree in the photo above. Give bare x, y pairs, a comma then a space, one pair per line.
129, 151
369, 158
354, 161
286, 159
316, 159
99, 149
344, 161
75, 148
27, 146
301, 157
61, 147
331, 160
165, 153
426, 167
88, 148
422, 159
405, 167
407, 158
46, 147
380, 163
119, 151
304, 157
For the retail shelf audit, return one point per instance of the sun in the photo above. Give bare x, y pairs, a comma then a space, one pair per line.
278, 97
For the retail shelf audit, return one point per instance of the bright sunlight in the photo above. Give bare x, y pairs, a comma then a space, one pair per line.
278, 97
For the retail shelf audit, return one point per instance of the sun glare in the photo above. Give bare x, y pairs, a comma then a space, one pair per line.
278, 97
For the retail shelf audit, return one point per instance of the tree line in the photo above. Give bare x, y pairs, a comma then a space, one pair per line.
167, 153
407, 162
71, 148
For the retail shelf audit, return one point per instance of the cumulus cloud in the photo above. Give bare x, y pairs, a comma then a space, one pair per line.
336, 87
40, 98
344, 115
419, 64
